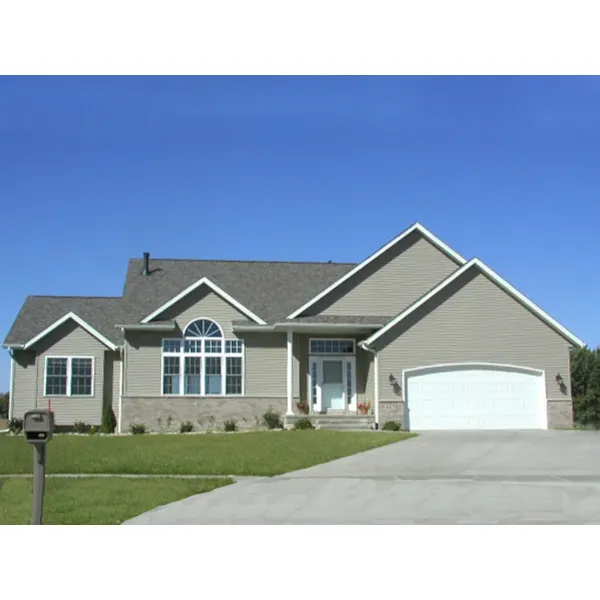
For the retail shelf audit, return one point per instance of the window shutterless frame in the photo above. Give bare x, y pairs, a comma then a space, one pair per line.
69, 360
331, 346
202, 346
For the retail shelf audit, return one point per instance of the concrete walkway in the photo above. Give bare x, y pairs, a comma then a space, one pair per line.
437, 478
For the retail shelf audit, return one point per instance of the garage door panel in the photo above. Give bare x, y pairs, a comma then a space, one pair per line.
465, 397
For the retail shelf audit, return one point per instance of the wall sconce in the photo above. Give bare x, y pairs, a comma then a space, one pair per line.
395, 385
561, 383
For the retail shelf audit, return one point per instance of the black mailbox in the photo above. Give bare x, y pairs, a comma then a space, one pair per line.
38, 426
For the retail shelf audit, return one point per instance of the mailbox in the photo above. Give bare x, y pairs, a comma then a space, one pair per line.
38, 426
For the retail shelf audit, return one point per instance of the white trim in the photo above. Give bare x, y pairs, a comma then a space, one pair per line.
79, 322
121, 388
318, 327
538, 372
221, 337
290, 374
147, 327
509, 289
215, 288
69, 360
376, 384
416, 227
11, 388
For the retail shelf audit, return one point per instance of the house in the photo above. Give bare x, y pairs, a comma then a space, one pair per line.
421, 334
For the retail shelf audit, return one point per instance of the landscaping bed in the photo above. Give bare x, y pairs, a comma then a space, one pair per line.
95, 501
263, 453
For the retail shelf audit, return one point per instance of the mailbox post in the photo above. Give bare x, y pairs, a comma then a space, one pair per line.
38, 426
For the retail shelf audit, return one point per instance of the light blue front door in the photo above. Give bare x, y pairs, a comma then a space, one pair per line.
332, 386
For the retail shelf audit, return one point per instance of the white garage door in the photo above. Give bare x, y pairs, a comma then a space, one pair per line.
475, 397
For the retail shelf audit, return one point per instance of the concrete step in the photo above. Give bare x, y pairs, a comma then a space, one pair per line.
357, 426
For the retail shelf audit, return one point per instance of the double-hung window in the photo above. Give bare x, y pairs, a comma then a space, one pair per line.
69, 376
203, 363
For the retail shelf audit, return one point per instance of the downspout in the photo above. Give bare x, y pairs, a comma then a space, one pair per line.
121, 384
11, 394
375, 354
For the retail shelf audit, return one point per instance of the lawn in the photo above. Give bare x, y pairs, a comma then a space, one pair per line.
258, 453
95, 501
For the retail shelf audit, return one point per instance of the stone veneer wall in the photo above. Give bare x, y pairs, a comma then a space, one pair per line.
166, 414
560, 413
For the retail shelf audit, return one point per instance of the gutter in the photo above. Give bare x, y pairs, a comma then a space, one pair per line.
300, 326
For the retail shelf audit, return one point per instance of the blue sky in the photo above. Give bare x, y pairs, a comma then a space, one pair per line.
96, 170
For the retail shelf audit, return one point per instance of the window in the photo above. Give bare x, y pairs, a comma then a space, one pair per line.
314, 381
203, 363
349, 392
69, 376
332, 346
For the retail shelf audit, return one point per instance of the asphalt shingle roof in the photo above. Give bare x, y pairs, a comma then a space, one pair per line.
271, 290
39, 312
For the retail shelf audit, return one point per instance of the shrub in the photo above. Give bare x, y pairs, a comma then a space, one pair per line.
137, 428
272, 420
15, 425
585, 384
303, 424
81, 427
186, 427
230, 425
4, 406
109, 422
94, 429
391, 426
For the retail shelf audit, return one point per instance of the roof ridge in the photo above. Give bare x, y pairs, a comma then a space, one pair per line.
234, 260
88, 297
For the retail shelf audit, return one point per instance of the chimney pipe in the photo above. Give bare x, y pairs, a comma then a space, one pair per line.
146, 270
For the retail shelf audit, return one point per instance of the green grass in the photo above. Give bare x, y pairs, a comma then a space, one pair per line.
95, 501
257, 453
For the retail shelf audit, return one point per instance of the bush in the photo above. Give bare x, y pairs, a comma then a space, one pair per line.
585, 384
137, 428
81, 427
230, 425
4, 406
303, 424
272, 420
15, 425
94, 429
391, 426
186, 427
109, 422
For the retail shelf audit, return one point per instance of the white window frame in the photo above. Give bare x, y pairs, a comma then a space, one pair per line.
311, 340
69, 360
203, 355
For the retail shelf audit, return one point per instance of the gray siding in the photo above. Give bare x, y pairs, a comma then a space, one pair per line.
474, 320
23, 396
203, 302
264, 361
391, 282
70, 340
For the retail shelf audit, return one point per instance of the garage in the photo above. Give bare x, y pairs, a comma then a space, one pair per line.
475, 396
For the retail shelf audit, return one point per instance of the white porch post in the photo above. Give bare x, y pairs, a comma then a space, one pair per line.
376, 383
290, 373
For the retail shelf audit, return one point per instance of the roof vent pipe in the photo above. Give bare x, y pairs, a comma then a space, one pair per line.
146, 270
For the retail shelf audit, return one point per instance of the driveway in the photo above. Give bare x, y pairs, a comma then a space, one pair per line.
437, 478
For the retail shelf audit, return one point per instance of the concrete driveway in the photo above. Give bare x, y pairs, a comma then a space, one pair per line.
436, 478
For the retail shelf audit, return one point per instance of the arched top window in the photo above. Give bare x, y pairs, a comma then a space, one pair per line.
203, 362
203, 328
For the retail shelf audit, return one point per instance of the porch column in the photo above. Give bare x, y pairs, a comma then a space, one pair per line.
290, 373
376, 383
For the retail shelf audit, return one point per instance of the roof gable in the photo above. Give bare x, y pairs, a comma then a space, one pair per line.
417, 227
83, 324
215, 288
502, 283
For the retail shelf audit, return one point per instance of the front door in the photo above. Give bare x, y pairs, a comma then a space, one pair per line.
332, 382
333, 393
